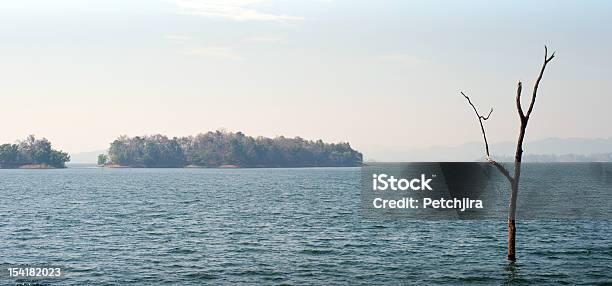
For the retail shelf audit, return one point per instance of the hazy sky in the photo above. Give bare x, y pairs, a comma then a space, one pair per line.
379, 74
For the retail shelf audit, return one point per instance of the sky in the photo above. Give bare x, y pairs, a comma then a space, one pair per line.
378, 74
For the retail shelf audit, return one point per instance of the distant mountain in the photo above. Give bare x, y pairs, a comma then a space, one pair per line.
568, 148
599, 157
560, 146
86, 157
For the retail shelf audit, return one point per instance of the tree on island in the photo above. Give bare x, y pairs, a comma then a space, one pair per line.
102, 159
514, 178
32, 151
214, 149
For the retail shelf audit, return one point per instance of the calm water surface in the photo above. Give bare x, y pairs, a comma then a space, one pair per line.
267, 226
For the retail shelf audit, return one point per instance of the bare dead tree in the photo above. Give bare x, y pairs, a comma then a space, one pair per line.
515, 177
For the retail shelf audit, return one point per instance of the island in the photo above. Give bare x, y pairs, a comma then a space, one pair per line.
32, 153
221, 149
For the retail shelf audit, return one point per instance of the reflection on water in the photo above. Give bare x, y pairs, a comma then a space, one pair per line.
511, 272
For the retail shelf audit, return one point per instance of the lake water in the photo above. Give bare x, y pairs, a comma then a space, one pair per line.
270, 226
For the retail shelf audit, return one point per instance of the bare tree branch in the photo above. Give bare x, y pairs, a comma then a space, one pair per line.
518, 101
501, 169
537, 84
480, 119
487, 117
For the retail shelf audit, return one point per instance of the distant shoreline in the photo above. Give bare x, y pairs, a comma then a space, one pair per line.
114, 166
31, 167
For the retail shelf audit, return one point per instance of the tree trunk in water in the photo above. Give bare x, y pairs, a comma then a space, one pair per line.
511, 240
518, 157
512, 212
